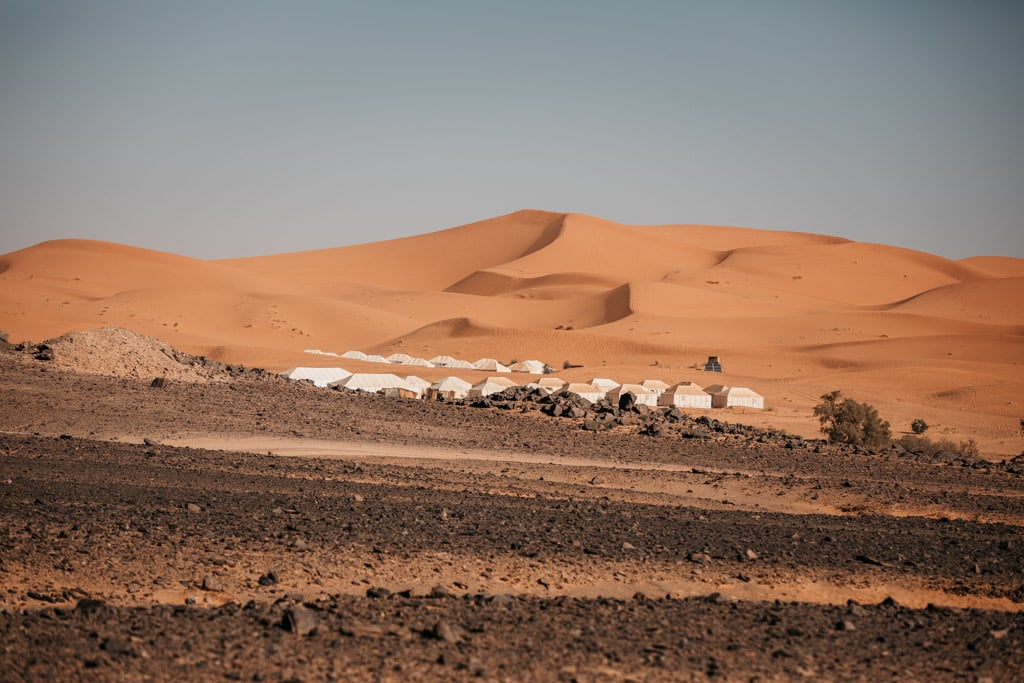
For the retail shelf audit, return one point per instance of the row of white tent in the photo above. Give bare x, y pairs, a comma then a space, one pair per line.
649, 392
532, 367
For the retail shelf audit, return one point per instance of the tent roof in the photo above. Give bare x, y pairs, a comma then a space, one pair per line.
462, 365
551, 382
418, 382
451, 383
371, 382
319, 376
687, 389
637, 389
604, 383
399, 358
442, 361
534, 367
491, 365
355, 355
376, 359
655, 384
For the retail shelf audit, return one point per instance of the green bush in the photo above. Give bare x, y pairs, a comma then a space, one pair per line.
844, 420
919, 426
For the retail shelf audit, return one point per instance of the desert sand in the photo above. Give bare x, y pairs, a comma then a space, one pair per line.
792, 315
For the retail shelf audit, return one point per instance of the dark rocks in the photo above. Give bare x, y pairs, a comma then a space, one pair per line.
444, 631
268, 579
378, 593
117, 645
43, 352
300, 620
212, 583
158, 382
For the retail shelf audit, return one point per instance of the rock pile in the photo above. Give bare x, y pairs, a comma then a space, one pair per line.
116, 352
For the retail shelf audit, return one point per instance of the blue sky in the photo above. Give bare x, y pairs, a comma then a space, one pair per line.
234, 128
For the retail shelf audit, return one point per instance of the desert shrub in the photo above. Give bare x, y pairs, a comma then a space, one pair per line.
844, 420
919, 426
922, 445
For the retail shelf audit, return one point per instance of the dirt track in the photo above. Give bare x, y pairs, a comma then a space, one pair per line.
501, 566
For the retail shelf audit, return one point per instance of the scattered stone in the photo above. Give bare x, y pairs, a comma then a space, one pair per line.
628, 546
158, 382
378, 593
845, 625
192, 507
751, 555
444, 631
212, 583
268, 579
116, 645
44, 352
300, 620
89, 605
150, 442
699, 558
442, 592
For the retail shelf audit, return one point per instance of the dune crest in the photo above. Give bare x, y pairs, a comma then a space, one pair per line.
791, 314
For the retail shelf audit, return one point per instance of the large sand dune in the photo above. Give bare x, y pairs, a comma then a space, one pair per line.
791, 314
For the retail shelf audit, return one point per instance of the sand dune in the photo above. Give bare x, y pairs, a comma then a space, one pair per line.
791, 314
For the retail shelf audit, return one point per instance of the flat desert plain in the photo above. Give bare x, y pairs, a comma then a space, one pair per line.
234, 525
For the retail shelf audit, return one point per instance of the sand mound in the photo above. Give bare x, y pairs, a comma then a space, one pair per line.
117, 352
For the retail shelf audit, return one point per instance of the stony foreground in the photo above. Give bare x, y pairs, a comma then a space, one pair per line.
728, 560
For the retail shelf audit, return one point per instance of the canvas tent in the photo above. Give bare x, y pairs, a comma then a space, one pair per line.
604, 383
450, 388
461, 365
419, 362
372, 383
739, 397
642, 394
551, 384
491, 385
490, 365
354, 355
655, 385
376, 359
400, 358
321, 377
588, 392
418, 383
532, 367
442, 361
685, 395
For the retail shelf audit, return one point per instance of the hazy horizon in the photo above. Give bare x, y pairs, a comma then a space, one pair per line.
241, 128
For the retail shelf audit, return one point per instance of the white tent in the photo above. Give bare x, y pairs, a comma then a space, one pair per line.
400, 358
321, 377
318, 352
490, 365
418, 383
461, 365
442, 361
655, 385
685, 395
588, 392
373, 383
491, 385
376, 359
551, 384
532, 367
641, 393
354, 355
419, 362
449, 387
739, 397
604, 384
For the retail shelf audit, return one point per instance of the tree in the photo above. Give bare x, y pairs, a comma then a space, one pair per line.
919, 426
844, 420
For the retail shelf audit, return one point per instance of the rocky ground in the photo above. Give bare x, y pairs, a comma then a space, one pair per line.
525, 547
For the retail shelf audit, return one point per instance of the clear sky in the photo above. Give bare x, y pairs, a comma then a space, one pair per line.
217, 128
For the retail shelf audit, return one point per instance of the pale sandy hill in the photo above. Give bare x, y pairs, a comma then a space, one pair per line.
792, 315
